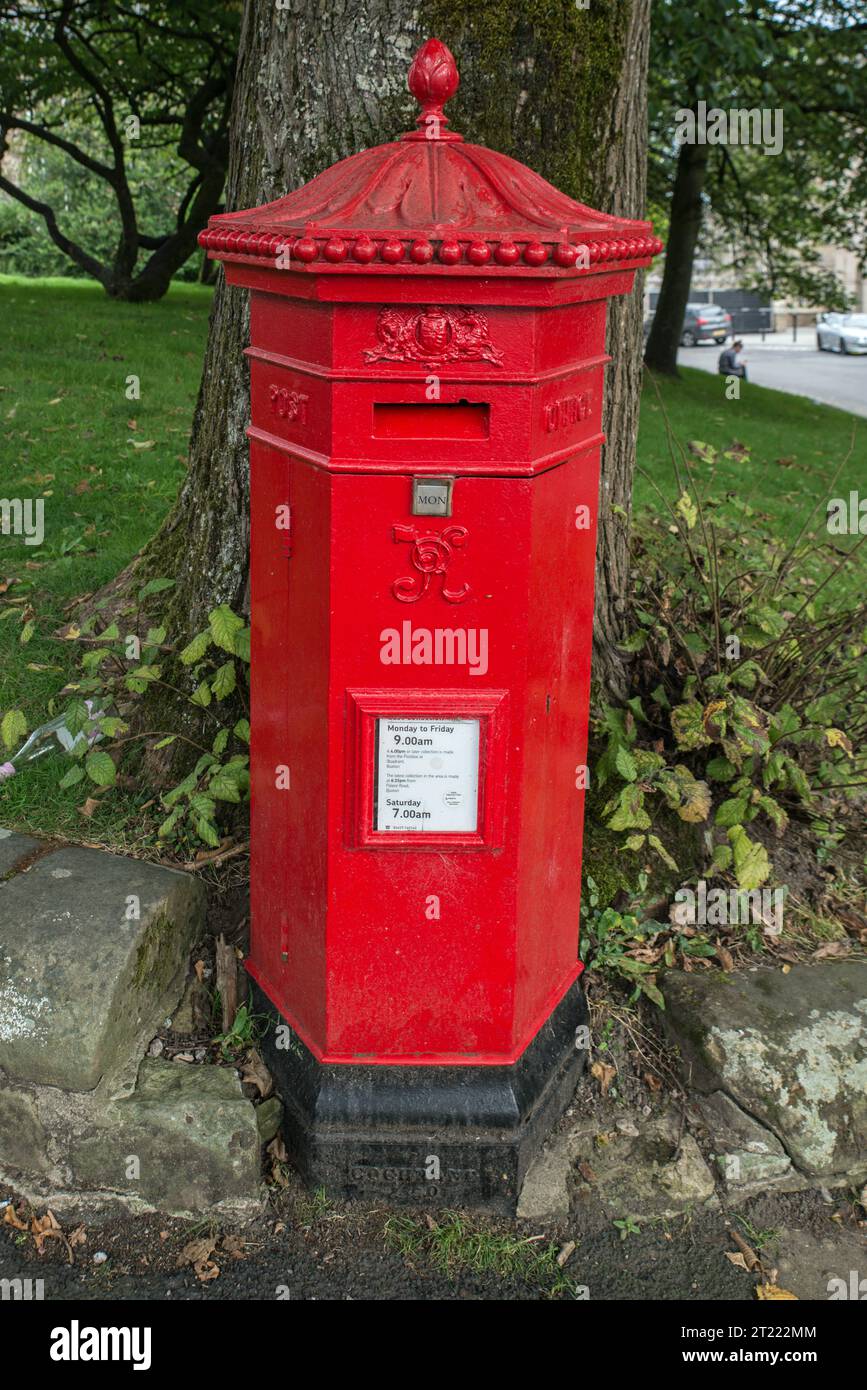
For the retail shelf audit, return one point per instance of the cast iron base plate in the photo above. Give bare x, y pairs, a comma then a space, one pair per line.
434, 1136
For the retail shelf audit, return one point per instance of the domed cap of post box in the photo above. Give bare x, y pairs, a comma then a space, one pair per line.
429, 201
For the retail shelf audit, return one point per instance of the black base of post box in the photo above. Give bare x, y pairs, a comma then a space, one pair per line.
434, 1136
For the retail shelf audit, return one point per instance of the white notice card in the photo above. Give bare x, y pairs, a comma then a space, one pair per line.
427, 775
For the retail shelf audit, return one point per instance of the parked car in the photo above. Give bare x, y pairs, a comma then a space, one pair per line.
703, 323
842, 333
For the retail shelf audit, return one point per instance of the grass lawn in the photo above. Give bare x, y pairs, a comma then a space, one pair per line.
108, 468
795, 448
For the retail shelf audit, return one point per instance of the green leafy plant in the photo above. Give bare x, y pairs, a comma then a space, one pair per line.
627, 1226
608, 938
125, 659
735, 720
242, 1034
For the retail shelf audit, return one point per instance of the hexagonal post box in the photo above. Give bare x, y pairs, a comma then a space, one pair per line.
427, 357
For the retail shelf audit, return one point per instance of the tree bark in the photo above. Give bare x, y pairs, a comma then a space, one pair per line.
566, 95
621, 189
685, 225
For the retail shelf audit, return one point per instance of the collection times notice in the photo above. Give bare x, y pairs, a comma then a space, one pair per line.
427, 775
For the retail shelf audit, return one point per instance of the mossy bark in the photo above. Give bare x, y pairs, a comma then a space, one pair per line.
560, 88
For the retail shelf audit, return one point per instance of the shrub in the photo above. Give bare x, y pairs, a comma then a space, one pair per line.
749, 679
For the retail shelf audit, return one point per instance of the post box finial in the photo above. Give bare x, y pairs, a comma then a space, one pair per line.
433, 80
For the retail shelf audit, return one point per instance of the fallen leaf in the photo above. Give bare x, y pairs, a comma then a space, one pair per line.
257, 1074
737, 1259
837, 739
749, 1254
725, 957
277, 1150
235, 1246
11, 1219
144, 444
88, 807
197, 1251
604, 1074
567, 1250
586, 1172
832, 949
43, 1227
737, 450
773, 1291
648, 955
854, 924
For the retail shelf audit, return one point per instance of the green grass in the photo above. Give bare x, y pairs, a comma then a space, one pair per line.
65, 430
454, 1246
795, 449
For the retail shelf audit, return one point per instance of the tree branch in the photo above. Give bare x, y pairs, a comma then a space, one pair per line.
8, 121
68, 247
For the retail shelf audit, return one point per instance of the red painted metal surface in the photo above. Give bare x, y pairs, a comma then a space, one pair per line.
427, 309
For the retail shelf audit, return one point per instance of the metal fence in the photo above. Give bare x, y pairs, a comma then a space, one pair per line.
750, 313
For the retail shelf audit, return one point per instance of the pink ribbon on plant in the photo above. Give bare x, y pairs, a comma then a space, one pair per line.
7, 770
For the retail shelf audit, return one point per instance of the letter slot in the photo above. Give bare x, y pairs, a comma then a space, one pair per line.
431, 420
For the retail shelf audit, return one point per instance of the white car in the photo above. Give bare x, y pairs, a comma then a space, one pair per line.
842, 333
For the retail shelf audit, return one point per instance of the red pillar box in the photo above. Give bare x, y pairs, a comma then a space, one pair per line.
427, 358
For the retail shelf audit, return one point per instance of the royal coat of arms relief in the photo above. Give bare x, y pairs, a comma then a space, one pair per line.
432, 337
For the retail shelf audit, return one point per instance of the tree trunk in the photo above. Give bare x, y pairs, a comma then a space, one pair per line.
621, 189
686, 210
566, 95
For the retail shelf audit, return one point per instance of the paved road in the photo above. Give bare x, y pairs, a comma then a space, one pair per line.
797, 368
